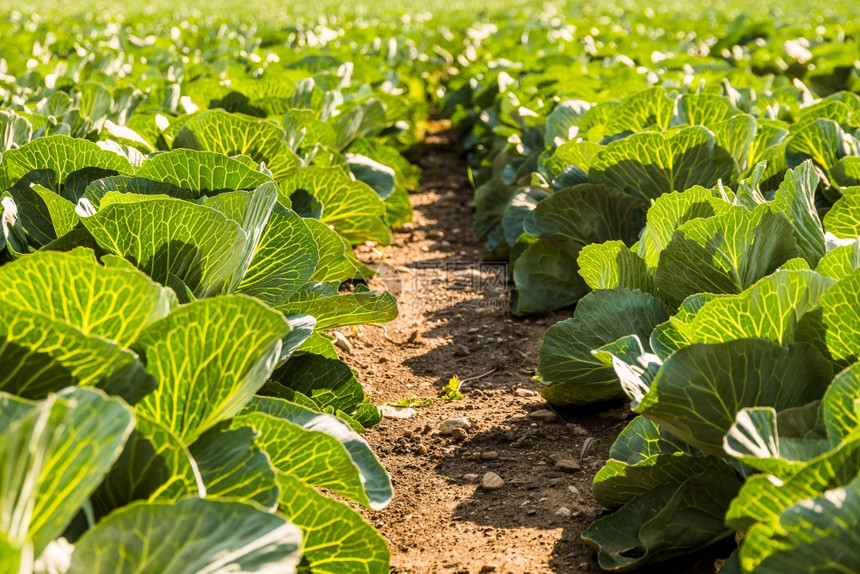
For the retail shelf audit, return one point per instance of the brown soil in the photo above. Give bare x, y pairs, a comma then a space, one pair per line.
454, 320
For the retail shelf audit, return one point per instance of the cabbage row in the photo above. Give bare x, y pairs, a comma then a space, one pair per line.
178, 212
691, 186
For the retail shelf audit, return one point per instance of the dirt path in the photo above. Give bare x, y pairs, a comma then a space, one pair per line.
454, 320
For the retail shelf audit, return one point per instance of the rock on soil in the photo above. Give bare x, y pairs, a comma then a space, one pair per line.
342, 343
459, 434
567, 464
451, 425
391, 412
492, 481
545, 415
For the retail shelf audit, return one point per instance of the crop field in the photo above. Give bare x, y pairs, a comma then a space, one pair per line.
435, 287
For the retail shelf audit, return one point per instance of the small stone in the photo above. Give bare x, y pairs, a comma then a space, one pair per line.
531, 511
390, 412
490, 455
545, 415
524, 393
448, 426
486, 568
573, 490
469, 477
421, 449
567, 464
462, 351
459, 434
492, 481
563, 512
342, 343
577, 429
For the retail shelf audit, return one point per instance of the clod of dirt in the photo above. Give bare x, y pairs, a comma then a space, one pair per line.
457, 423
567, 465
492, 481
462, 351
545, 415
490, 455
